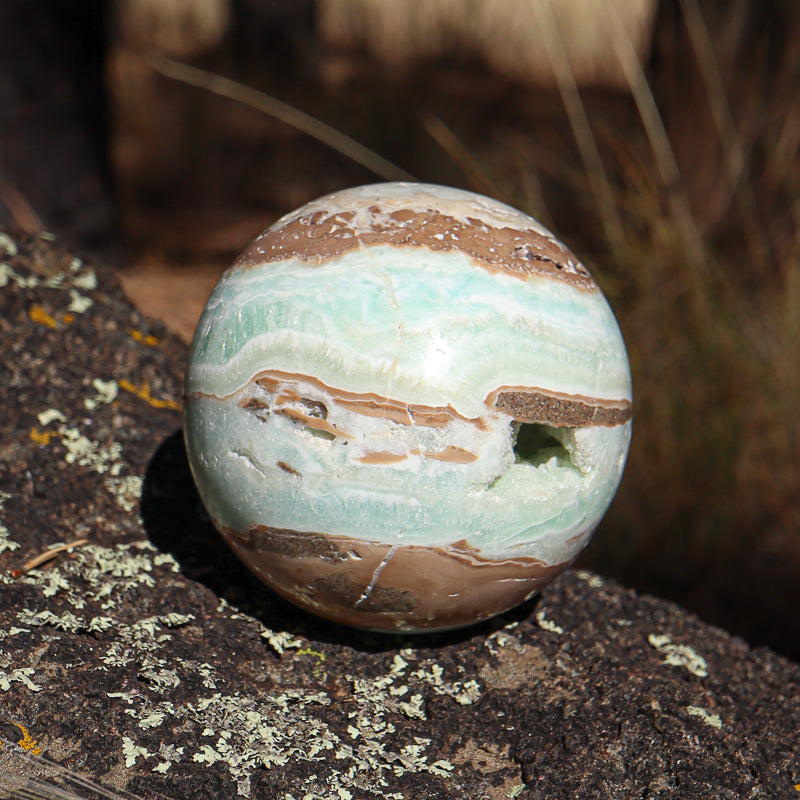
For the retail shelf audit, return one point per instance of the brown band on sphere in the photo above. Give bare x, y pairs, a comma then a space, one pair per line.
387, 587
559, 411
320, 237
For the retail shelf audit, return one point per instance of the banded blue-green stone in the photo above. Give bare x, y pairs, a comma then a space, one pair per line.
407, 406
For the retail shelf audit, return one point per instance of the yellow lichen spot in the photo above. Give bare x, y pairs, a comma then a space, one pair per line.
27, 742
143, 393
42, 438
147, 339
38, 314
308, 651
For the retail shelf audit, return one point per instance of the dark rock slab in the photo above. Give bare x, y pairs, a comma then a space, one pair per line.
150, 660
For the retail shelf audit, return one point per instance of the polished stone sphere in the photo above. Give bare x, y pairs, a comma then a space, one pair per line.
407, 407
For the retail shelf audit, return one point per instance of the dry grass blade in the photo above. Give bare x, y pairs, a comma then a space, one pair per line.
732, 150
48, 555
660, 144
454, 147
21, 210
329, 136
25, 776
579, 122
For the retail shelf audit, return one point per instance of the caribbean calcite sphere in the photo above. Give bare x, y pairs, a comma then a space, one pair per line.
407, 407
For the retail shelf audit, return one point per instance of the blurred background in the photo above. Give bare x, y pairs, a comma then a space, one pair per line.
659, 140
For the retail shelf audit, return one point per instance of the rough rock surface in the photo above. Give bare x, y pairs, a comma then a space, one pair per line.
151, 661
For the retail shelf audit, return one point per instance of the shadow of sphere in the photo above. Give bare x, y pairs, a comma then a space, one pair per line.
176, 523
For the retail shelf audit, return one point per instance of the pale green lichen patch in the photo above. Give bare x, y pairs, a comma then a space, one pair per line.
101, 574
85, 453
595, 581
170, 754
281, 641
83, 280
17, 675
67, 622
679, 655
547, 624
50, 415
91, 455
370, 750
105, 392
713, 720
77, 275
465, 693
133, 751
501, 638
126, 491
139, 644
152, 720
79, 303
7, 275
246, 734
12, 631
8, 246
6, 542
